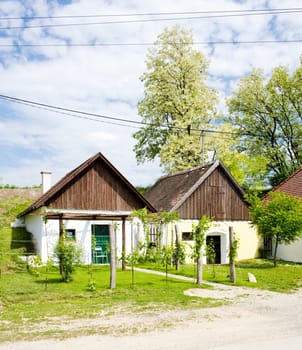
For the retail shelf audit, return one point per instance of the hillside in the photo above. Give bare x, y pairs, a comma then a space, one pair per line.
14, 241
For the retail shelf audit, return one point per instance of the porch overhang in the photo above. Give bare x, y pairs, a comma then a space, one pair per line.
86, 216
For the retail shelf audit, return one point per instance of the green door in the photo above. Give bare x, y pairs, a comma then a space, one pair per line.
100, 253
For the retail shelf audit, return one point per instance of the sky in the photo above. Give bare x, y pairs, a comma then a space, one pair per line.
41, 61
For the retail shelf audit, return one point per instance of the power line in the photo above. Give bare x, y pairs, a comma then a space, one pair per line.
227, 15
152, 14
88, 115
277, 41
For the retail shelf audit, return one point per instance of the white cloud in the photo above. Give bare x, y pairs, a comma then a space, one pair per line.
105, 80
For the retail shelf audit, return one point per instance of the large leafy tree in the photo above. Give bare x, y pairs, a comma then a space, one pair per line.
176, 102
279, 218
267, 112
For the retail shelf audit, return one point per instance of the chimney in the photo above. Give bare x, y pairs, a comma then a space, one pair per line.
46, 181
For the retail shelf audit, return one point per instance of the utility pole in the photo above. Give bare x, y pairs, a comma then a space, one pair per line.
202, 146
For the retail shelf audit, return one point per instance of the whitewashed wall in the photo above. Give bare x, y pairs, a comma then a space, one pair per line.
291, 252
249, 241
47, 235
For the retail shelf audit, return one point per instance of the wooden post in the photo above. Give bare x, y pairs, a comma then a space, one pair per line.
132, 261
177, 246
61, 236
112, 257
124, 245
232, 262
61, 227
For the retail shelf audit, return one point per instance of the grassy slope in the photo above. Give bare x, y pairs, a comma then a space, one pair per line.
12, 242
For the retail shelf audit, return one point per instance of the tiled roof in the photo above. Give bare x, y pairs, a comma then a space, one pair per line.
292, 185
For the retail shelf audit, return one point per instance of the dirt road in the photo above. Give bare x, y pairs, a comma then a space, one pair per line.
253, 318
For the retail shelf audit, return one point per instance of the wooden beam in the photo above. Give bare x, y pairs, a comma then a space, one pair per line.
88, 217
124, 245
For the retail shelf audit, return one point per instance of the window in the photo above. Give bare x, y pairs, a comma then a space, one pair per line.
187, 236
70, 233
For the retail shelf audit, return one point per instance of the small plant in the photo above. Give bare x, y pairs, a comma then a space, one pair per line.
68, 255
211, 255
91, 286
178, 255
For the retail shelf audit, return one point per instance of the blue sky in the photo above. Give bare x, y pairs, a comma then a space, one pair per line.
105, 80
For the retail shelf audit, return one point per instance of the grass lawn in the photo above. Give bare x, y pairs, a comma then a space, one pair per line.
27, 302
285, 277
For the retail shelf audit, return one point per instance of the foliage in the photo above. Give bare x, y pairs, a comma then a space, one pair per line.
199, 234
280, 218
68, 255
178, 254
155, 222
267, 115
211, 254
177, 97
233, 250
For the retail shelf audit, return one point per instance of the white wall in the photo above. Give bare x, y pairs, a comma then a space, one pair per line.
248, 238
50, 235
291, 252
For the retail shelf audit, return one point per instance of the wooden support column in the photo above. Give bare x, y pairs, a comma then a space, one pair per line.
112, 257
61, 227
61, 236
124, 244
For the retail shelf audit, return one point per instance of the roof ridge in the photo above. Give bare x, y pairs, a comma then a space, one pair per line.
180, 172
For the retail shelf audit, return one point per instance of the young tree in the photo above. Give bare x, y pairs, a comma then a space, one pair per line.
267, 113
199, 234
175, 96
68, 255
279, 218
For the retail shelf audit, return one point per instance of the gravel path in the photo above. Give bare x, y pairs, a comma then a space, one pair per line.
254, 317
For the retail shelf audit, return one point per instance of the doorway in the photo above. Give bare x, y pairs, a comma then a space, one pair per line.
100, 247
217, 247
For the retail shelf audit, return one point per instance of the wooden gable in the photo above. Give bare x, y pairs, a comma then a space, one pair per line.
206, 190
97, 188
94, 185
216, 197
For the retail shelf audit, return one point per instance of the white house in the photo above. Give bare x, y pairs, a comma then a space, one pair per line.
212, 191
85, 204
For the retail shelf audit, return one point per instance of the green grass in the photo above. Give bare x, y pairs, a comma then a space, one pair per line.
28, 302
286, 277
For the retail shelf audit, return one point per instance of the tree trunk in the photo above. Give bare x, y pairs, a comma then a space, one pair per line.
275, 253
112, 257
232, 263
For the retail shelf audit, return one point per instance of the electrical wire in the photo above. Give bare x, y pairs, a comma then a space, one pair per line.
277, 41
151, 14
88, 115
151, 20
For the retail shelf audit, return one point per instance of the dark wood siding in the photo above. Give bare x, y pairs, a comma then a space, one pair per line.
217, 198
97, 188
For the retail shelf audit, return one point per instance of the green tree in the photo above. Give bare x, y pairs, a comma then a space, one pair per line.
279, 218
267, 113
176, 96
199, 234
68, 255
